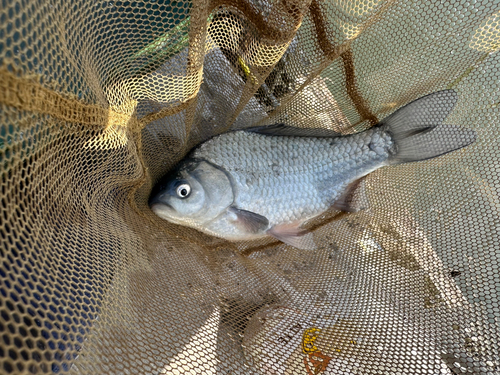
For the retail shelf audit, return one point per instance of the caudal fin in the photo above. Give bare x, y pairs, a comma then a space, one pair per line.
418, 131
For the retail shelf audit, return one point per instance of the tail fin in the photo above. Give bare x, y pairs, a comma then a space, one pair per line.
418, 131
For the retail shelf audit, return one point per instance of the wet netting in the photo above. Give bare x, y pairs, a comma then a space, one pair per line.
98, 100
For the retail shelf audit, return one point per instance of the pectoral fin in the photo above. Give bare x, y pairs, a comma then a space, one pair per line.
354, 198
292, 235
249, 221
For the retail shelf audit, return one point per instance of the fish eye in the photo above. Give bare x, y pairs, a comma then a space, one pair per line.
183, 190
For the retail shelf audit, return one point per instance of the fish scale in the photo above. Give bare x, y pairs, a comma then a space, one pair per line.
248, 184
305, 193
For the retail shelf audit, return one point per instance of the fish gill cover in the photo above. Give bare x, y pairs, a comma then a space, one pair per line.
99, 100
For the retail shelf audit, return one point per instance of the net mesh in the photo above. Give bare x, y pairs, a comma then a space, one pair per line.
99, 99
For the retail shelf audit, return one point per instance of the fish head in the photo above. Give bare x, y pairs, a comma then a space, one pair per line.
194, 194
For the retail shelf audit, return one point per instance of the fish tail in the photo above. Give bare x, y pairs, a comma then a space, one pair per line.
418, 132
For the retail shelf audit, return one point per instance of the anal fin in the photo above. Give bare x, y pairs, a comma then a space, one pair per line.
354, 198
292, 235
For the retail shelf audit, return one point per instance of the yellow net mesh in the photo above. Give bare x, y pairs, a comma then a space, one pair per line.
99, 99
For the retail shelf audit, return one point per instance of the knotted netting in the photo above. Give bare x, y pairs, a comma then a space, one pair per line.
98, 100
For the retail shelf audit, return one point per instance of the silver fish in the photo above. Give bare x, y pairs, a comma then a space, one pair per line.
262, 181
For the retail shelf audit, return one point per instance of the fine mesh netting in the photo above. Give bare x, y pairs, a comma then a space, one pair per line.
98, 100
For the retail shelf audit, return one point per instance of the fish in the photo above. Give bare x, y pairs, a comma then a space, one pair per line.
270, 180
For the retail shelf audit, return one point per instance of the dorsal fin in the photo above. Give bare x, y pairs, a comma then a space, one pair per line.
292, 131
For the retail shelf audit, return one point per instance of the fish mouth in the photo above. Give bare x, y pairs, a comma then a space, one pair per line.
157, 202
159, 206
164, 211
